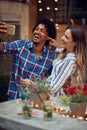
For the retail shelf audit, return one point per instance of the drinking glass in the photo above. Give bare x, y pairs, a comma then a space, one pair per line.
48, 110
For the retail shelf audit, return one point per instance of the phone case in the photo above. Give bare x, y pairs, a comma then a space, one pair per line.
10, 29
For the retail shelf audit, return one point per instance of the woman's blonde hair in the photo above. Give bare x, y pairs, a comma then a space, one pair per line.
78, 35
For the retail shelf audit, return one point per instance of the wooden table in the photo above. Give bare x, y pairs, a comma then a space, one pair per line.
10, 119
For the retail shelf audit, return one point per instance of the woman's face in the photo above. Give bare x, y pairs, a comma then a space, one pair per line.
67, 41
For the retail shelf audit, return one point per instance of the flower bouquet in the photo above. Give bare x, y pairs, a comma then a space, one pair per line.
37, 92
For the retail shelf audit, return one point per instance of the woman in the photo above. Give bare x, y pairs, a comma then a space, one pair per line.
71, 62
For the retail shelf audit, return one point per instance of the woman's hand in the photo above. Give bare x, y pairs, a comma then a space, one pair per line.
25, 82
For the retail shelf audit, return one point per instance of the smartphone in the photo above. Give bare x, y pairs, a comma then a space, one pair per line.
10, 29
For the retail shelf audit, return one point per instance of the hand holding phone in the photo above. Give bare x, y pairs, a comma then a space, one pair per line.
7, 28
10, 29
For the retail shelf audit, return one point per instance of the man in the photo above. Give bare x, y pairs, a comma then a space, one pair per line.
31, 58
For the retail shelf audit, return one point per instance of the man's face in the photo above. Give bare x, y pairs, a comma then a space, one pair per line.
40, 34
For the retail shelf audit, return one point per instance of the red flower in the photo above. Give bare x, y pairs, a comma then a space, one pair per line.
73, 90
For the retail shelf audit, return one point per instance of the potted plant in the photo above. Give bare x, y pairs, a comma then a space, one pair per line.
78, 103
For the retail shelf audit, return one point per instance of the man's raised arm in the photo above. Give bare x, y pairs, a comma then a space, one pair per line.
3, 30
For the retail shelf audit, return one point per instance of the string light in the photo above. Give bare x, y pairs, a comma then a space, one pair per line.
57, 26
67, 113
56, 0
40, 9
51, 19
39, 1
56, 9
48, 8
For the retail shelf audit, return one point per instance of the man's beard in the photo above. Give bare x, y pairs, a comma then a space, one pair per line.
35, 43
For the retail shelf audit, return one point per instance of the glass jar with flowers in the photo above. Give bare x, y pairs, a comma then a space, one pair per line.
37, 92
26, 100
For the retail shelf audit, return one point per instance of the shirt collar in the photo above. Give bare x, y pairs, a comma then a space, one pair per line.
31, 46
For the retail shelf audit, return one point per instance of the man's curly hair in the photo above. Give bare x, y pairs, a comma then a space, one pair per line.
50, 26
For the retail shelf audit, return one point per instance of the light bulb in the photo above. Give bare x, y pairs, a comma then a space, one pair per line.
48, 8
40, 9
